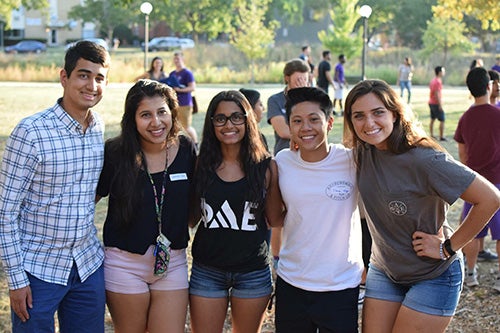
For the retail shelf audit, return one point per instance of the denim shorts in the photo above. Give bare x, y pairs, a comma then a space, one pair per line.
438, 296
213, 283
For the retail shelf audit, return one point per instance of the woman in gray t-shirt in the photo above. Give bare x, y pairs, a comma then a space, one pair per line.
407, 182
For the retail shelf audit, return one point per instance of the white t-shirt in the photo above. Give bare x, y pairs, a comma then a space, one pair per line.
321, 245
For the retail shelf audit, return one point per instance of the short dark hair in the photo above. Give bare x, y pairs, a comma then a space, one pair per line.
85, 50
308, 94
438, 69
477, 81
294, 66
325, 53
341, 57
305, 47
494, 75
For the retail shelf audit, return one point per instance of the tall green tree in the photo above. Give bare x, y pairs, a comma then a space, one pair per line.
340, 36
445, 36
251, 34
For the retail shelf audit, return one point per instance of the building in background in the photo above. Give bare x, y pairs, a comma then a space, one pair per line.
51, 24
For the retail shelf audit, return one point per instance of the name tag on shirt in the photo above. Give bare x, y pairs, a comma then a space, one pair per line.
178, 176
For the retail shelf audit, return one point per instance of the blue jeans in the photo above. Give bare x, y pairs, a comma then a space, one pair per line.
80, 306
407, 85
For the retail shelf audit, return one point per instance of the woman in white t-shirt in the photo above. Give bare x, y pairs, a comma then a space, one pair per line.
321, 263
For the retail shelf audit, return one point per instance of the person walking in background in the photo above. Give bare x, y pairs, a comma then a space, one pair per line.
324, 72
477, 136
184, 89
155, 71
407, 183
295, 73
405, 73
321, 262
340, 83
235, 183
306, 56
436, 101
148, 171
48, 241
253, 97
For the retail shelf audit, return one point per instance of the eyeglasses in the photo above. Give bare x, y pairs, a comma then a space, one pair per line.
237, 118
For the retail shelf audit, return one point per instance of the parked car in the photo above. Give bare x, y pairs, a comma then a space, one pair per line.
99, 41
26, 46
162, 44
186, 43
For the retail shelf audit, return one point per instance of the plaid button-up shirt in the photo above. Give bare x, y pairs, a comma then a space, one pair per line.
48, 181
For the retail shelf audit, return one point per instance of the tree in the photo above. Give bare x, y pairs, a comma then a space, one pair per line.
104, 15
251, 34
446, 36
487, 11
339, 38
6, 7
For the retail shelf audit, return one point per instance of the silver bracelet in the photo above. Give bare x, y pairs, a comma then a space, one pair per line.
441, 252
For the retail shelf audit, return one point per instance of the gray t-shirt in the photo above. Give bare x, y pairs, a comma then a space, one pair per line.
276, 108
406, 193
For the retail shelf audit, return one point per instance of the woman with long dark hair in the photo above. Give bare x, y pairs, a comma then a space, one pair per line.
235, 181
147, 174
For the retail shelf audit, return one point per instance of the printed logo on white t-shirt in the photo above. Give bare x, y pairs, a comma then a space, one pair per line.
339, 190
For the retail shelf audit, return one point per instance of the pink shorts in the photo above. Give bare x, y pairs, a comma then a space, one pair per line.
130, 273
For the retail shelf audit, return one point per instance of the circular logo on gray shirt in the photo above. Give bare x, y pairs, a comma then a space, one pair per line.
398, 207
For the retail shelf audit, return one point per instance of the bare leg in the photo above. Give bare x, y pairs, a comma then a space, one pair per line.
247, 313
207, 314
471, 251
411, 321
129, 312
379, 316
441, 129
431, 127
167, 311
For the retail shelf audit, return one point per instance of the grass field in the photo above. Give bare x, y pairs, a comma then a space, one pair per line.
18, 100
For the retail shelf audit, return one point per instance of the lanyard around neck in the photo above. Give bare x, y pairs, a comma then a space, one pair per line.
159, 200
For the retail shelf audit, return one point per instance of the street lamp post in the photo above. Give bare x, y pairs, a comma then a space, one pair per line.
365, 11
146, 9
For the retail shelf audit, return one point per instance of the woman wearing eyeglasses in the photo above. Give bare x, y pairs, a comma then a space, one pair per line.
235, 180
147, 175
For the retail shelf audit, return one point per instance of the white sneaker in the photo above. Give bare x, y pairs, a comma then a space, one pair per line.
471, 279
361, 296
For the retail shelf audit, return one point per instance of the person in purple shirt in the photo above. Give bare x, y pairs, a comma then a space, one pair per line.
339, 83
186, 86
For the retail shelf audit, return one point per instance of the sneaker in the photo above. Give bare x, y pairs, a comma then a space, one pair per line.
486, 255
471, 279
443, 139
496, 286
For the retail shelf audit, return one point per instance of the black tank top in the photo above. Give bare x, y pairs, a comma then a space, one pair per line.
230, 236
